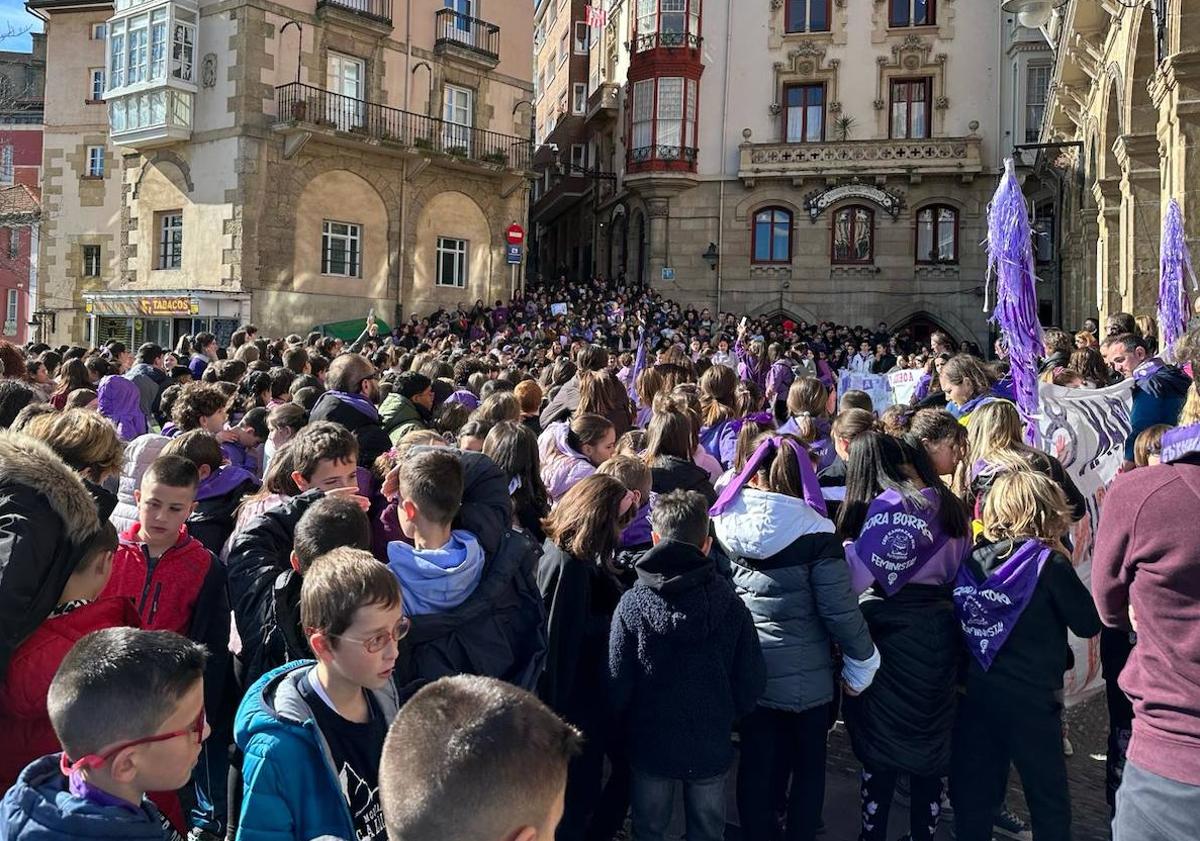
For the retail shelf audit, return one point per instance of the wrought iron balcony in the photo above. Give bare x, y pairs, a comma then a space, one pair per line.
666, 40
378, 11
662, 157
466, 38
934, 156
310, 110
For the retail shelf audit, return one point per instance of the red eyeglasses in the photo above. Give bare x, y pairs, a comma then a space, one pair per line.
95, 760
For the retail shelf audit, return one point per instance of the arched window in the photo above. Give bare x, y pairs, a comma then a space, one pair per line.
666, 23
853, 236
937, 234
772, 236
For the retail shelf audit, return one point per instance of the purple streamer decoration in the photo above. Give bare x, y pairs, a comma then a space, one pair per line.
1010, 259
639, 365
1174, 259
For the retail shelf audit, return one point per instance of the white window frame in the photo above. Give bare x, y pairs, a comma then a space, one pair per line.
99, 31
170, 234
96, 83
1029, 100
564, 48
579, 98
91, 270
458, 251
352, 254
94, 162
7, 170
582, 46
458, 116
12, 310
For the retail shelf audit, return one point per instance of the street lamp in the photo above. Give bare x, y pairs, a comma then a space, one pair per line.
1032, 14
712, 255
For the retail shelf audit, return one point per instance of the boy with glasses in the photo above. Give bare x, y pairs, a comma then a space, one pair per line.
312, 733
128, 707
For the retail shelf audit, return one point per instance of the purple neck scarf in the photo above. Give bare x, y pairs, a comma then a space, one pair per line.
808, 477
1180, 442
897, 538
1147, 369
223, 480
358, 402
81, 788
988, 610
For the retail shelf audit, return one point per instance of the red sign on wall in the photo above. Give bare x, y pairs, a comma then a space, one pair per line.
515, 234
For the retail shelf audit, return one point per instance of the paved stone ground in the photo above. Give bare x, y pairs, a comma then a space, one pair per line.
1088, 725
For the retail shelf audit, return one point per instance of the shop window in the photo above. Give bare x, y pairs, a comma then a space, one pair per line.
341, 249
937, 234
772, 236
806, 16
452, 262
170, 239
853, 236
911, 12
91, 261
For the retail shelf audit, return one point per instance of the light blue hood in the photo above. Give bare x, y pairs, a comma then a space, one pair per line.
437, 580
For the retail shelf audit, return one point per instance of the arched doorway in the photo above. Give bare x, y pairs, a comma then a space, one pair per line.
921, 326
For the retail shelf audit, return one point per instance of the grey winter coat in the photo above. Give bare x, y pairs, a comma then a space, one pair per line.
790, 572
140, 453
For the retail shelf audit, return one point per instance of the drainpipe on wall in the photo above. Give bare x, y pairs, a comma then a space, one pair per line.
404, 165
724, 151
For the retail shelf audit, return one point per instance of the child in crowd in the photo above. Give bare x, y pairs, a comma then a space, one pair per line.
853, 398
244, 449
472, 757
127, 707
681, 632
572, 451
312, 733
220, 491
636, 476
200, 406
1016, 596
1147, 447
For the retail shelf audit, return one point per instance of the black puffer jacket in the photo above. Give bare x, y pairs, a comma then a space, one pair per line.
372, 440
499, 631
903, 721
669, 473
47, 518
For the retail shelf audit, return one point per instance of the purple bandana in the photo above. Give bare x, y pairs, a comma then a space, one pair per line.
81, 788
1179, 442
357, 401
808, 477
1147, 369
989, 610
897, 538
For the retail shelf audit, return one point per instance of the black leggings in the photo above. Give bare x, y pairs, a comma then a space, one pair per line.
925, 806
776, 744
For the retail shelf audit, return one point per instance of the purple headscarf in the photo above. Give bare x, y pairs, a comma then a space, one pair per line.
808, 477
120, 400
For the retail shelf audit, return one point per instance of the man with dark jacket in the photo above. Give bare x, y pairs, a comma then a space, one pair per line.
150, 378
1159, 390
1146, 578
685, 664
351, 400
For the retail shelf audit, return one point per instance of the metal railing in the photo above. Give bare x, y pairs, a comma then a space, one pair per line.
455, 28
666, 40
660, 152
380, 10
306, 104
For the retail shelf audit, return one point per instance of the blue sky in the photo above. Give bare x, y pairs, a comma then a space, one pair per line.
13, 17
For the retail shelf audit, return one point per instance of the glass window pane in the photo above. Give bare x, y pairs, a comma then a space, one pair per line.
796, 13
841, 235
924, 236
899, 13
815, 121
780, 242
762, 240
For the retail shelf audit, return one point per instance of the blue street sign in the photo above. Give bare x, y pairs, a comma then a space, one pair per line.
514, 255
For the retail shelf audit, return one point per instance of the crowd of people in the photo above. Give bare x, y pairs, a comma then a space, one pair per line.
531, 570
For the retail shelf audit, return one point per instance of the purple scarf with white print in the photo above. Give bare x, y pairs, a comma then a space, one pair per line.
898, 538
988, 610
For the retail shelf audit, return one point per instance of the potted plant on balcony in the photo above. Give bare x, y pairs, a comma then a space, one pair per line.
499, 158
842, 127
457, 151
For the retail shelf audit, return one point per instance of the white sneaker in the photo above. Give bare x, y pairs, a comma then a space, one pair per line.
1068, 748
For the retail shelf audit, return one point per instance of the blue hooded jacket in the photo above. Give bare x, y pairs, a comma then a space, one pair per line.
290, 788
437, 580
40, 808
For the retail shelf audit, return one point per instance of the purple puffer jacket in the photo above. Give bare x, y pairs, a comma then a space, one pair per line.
562, 467
120, 400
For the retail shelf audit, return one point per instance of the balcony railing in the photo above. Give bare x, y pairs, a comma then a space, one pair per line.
667, 40
304, 104
456, 31
377, 10
934, 156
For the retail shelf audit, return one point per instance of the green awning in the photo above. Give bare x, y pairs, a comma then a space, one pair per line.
350, 330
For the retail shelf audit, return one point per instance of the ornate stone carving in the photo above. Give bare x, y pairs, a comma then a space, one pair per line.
862, 158
806, 64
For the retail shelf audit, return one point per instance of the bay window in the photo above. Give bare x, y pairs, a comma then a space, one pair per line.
937, 234
666, 23
663, 120
910, 109
853, 236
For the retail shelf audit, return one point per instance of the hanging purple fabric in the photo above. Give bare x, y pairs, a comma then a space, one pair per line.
808, 477
1180, 442
988, 610
1174, 260
898, 538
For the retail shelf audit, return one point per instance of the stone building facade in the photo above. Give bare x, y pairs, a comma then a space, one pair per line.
1121, 127
825, 159
299, 165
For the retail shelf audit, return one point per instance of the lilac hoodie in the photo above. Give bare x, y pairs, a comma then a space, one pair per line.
562, 467
121, 402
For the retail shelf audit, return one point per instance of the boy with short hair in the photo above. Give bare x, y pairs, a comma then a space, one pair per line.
200, 406
177, 585
128, 707
243, 450
681, 632
312, 732
475, 759
221, 489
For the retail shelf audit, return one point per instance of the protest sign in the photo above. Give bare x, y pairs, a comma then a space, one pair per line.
876, 385
904, 384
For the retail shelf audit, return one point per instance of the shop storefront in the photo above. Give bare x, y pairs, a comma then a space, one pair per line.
163, 318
